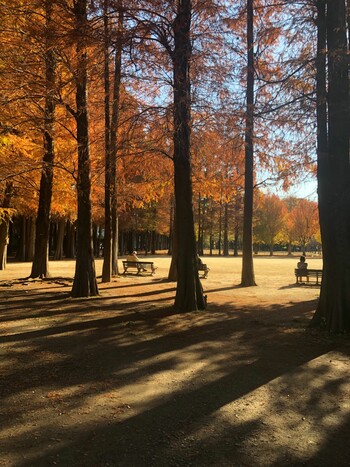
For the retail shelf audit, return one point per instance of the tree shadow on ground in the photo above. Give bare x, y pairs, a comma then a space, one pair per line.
69, 363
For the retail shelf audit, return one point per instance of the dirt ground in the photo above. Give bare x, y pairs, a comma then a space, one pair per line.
122, 380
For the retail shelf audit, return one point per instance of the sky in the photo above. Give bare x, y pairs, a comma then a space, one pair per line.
307, 189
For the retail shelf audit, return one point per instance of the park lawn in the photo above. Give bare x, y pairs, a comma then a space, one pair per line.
123, 380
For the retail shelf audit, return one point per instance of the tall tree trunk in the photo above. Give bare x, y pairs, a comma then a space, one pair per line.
236, 227
4, 226
153, 242
235, 240
70, 240
220, 228
189, 292
248, 278
30, 239
172, 276
21, 251
211, 226
199, 237
107, 246
114, 132
333, 310
40, 265
59, 240
95, 245
85, 283
226, 248
171, 226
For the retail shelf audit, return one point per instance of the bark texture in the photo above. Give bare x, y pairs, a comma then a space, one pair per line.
248, 277
333, 310
114, 133
40, 265
189, 292
85, 283
4, 226
107, 244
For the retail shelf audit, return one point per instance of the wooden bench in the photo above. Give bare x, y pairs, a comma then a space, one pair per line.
205, 269
139, 267
313, 273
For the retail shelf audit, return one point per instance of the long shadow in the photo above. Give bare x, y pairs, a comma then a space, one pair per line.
222, 289
172, 420
304, 284
35, 300
88, 325
146, 294
120, 285
89, 333
55, 299
99, 350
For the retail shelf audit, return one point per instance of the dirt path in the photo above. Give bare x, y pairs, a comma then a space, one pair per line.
122, 380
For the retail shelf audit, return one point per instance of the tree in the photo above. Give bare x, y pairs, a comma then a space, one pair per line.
269, 220
248, 278
333, 166
189, 292
115, 120
85, 283
107, 244
304, 222
40, 266
5, 216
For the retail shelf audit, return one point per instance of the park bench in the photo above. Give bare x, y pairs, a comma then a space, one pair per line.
139, 267
205, 269
308, 273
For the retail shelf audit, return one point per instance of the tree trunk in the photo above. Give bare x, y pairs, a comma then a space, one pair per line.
4, 226
189, 292
30, 239
107, 244
94, 239
226, 249
114, 133
236, 227
172, 276
333, 167
153, 242
211, 226
21, 251
40, 265
59, 240
171, 226
70, 240
235, 241
248, 278
85, 283
199, 234
220, 229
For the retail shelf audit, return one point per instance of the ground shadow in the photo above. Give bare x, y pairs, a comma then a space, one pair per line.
78, 351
